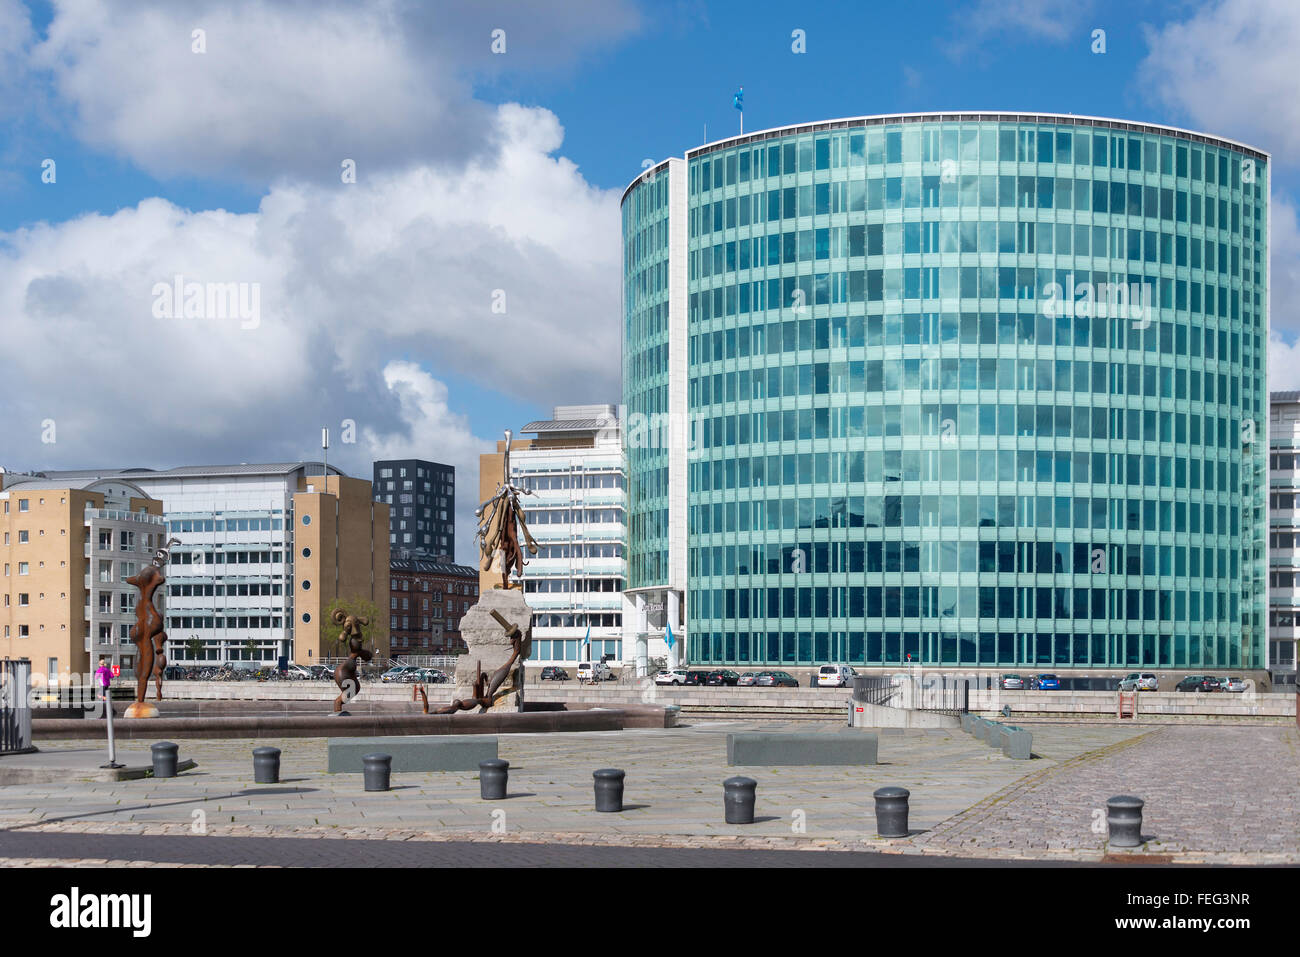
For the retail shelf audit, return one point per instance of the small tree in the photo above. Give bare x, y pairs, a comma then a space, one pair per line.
194, 646
250, 648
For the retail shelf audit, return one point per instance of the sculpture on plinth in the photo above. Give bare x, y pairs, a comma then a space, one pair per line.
486, 690
148, 634
345, 675
498, 629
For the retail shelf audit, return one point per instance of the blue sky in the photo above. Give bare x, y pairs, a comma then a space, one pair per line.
654, 91
478, 173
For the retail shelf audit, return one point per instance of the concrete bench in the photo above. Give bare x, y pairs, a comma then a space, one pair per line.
986, 731
424, 752
1016, 743
762, 748
968, 722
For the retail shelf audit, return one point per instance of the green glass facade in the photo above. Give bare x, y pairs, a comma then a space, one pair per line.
646, 212
979, 390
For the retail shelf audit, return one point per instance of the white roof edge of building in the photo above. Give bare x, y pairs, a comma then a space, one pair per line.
945, 113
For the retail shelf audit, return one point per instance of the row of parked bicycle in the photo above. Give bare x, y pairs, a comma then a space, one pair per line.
245, 671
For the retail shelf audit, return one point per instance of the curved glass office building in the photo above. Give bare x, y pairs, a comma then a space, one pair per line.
966, 389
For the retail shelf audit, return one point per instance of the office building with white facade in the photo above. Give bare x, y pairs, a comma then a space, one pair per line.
1283, 535
240, 586
573, 467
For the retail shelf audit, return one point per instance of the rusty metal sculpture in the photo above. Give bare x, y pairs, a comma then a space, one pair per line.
485, 688
148, 634
345, 675
500, 531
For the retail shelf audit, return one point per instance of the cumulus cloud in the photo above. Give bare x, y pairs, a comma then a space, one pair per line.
1230, 68
1283, 364
429, 422
1284, 255
366, 292
291, 89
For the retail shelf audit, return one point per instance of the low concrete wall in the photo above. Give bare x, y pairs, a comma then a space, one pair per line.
361, 724
864, 715
376, 695
1150, 703
378, 698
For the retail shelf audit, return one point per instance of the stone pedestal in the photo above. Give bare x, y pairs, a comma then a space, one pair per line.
141, 709
490, 647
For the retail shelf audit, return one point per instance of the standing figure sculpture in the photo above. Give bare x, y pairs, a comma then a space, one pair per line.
499, 532
345, 675
147, 632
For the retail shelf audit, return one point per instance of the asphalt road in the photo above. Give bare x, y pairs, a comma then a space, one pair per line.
349, 852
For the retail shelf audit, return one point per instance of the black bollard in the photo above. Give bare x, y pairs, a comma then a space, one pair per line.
164, 759
266, 765
738, 800
891, 812
609, 789
1124, 819
376, 769
492, 776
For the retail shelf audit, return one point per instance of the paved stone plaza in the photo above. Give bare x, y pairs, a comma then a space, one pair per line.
1214, 794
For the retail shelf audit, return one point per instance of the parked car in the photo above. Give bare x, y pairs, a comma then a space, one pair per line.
677, 676
1232, 685
552, 673
1011, 683
747, 679
322, 672
1144, 681
1197, 683
775, 679
296, 672
594, 671
835, 676
1045, 683
396, 673
722, 677
699, 678
430, 676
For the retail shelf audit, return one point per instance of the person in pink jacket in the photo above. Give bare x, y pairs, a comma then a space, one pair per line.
104, 675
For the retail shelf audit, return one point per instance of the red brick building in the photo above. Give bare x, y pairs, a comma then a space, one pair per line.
426, 604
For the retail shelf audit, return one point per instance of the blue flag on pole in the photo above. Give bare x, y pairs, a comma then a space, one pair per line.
738, 99
670, 634
586, 639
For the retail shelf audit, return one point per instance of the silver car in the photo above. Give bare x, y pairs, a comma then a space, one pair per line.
1234, 685
1145, 681
1011, 683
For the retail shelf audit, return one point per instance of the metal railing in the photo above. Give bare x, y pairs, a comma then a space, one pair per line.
15, 709
870, 689
940, 694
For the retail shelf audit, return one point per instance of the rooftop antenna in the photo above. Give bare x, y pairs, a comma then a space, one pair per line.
325, 448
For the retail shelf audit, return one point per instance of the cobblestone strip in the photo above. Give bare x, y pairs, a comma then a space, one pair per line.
954, 829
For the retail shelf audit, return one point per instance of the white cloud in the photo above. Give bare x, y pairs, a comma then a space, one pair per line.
287, 89
1283, 364
1231, 68
1284, 255
1053, 21
428, 422
401, 266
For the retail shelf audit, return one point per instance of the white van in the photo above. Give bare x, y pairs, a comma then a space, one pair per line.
594, 671
835, 676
